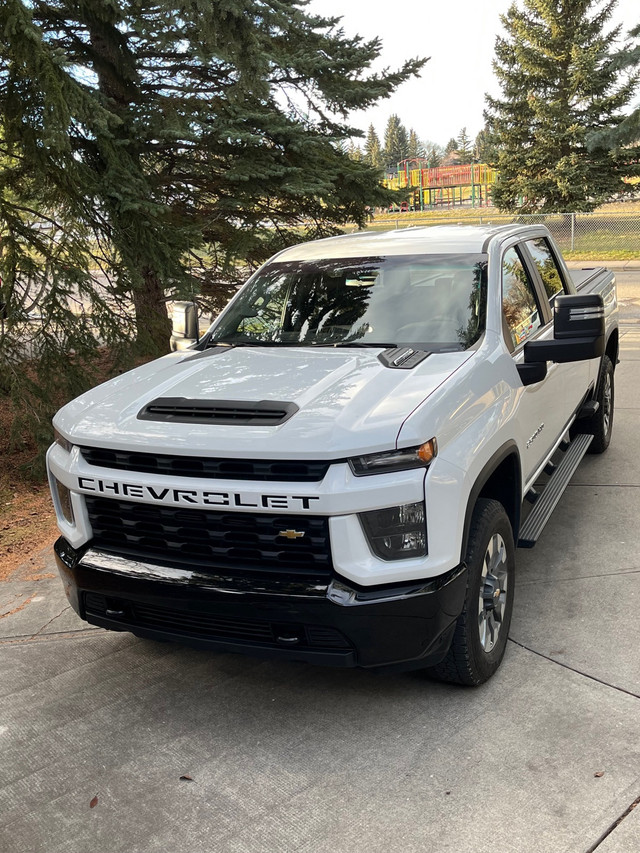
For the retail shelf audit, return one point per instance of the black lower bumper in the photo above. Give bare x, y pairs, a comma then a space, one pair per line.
335, 624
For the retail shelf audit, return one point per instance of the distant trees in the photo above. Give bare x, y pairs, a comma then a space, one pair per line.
402, 144
459, 150
464, 148
396, 142
433, 154
415, 148
373, 149
485, 150
354, 151
559, 84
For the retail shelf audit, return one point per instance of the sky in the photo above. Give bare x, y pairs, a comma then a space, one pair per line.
458, 36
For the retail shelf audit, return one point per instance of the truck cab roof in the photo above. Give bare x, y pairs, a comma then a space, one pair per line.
435, 239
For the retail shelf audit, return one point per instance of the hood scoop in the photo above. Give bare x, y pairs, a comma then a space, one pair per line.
184, 411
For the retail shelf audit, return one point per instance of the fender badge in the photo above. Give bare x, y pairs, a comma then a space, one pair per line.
292, 534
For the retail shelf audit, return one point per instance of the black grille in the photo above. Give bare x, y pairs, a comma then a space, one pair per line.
201, 624
182, 410
212, 540
198, 466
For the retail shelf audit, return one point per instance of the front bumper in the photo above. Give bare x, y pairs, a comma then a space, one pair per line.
337, 624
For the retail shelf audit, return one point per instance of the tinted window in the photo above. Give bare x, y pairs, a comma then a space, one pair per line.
547, 267
436, 301
518, 299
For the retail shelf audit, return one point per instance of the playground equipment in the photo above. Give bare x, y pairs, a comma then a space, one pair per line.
443, 186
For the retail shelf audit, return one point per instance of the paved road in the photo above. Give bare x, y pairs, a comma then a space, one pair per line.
628, 282
285, 757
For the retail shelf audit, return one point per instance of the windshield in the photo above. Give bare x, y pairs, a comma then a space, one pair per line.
432, 302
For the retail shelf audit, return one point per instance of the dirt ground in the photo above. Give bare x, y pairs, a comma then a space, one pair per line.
27, 521
27, 525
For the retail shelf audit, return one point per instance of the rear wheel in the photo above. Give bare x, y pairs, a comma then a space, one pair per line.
601, 424
482, 628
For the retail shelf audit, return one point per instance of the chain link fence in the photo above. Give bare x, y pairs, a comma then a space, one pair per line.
581, 235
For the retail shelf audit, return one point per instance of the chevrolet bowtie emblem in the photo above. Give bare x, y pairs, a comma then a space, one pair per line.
292, 534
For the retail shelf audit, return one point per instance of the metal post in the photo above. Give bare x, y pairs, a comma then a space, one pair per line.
473, 187
573, 231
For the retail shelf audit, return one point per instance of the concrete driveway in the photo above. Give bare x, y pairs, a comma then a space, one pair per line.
286, 757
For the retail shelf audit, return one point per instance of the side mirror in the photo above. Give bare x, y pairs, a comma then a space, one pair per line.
578, 331
185, 325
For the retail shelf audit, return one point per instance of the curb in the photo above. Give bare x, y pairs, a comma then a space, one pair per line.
633, 264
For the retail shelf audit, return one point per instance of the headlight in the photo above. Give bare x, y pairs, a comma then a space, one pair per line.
62, 441
395, 460
396, 533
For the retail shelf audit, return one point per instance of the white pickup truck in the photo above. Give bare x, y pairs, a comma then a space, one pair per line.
340, 470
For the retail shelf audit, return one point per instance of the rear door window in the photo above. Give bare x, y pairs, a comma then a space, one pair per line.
519, 304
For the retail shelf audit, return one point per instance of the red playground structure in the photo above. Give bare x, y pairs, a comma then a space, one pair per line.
443, 186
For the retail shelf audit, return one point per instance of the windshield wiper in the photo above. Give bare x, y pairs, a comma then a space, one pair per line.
231, 344
367, 344
362, 344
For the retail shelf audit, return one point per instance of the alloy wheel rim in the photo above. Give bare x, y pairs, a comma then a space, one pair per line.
493, 592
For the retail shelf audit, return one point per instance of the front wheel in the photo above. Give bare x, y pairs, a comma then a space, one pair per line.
482, 628
601, 424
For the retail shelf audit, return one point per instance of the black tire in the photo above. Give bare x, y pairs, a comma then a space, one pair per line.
470, 660
601, 424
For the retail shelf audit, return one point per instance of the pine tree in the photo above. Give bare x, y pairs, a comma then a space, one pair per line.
396, 143
485, 150
163, 123
433, 154
166, 144
627, 133
415, 148
558, 85
451, 146
372, 149
354, 151
463, 147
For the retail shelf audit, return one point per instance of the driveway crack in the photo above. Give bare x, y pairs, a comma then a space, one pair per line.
573, 669
614, 825
603, 486
18, 639
53, 618
582, 577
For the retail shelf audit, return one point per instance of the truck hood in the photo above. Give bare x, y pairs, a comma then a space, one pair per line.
348, 402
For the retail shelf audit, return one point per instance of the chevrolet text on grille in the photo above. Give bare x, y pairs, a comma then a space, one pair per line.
199, 497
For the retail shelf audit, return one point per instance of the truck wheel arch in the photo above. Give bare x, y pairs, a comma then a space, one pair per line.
612, 350
501, 480
612, 347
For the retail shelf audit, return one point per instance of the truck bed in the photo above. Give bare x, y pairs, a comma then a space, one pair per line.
591, 279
